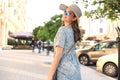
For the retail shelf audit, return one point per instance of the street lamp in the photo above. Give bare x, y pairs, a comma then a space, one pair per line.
118, 40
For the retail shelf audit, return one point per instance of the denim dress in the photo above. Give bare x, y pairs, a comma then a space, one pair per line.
69, 66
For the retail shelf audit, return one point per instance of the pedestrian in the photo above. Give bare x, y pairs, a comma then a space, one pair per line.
65, 61
33, 44
43, 46
39, 46
48, 47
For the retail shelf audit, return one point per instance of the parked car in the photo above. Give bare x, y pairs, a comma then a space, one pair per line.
108, 65
92, 53
85, 44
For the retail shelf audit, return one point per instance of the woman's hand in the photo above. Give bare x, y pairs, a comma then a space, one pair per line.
49, 77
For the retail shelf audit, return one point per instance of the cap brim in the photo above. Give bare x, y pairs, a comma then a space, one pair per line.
62, 6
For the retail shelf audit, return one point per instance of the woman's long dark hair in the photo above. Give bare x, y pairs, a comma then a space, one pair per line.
76, 30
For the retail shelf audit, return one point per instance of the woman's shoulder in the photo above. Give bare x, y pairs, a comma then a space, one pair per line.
64, 28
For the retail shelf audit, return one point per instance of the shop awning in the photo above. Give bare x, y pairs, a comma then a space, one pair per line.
21, 35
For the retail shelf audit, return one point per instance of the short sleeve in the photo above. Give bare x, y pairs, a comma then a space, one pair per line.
60, 37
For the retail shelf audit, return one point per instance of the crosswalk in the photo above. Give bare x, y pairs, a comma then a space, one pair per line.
24, 65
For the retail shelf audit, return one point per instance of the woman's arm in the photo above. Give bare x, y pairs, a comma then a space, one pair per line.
55, 62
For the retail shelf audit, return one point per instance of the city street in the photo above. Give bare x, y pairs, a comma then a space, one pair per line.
92, 25
26, 65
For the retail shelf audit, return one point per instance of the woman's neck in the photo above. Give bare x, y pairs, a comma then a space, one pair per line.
67, 24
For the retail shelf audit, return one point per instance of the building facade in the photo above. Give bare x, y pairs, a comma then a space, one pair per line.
99, 28
12, 18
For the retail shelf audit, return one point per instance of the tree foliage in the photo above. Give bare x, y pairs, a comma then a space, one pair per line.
102, 8
48, 31
35, 31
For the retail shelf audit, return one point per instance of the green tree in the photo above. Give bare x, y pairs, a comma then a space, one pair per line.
35, 31
42, 34
102, 8
49, 29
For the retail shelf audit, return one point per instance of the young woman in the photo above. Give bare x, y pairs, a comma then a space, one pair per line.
66, 61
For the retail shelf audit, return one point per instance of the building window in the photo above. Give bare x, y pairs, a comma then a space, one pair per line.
101, 30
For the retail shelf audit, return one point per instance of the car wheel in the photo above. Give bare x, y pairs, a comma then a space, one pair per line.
84, 60
110, 69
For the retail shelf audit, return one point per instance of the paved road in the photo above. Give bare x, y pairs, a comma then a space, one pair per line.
25, 65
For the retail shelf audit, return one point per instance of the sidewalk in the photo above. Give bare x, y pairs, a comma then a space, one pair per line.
90, 74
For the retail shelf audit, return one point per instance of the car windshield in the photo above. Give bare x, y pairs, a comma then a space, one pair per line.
105, 45
108, 45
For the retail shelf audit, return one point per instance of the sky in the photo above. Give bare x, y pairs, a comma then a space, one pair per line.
40, 11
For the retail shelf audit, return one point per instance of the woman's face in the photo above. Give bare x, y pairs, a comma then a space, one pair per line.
68, 16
